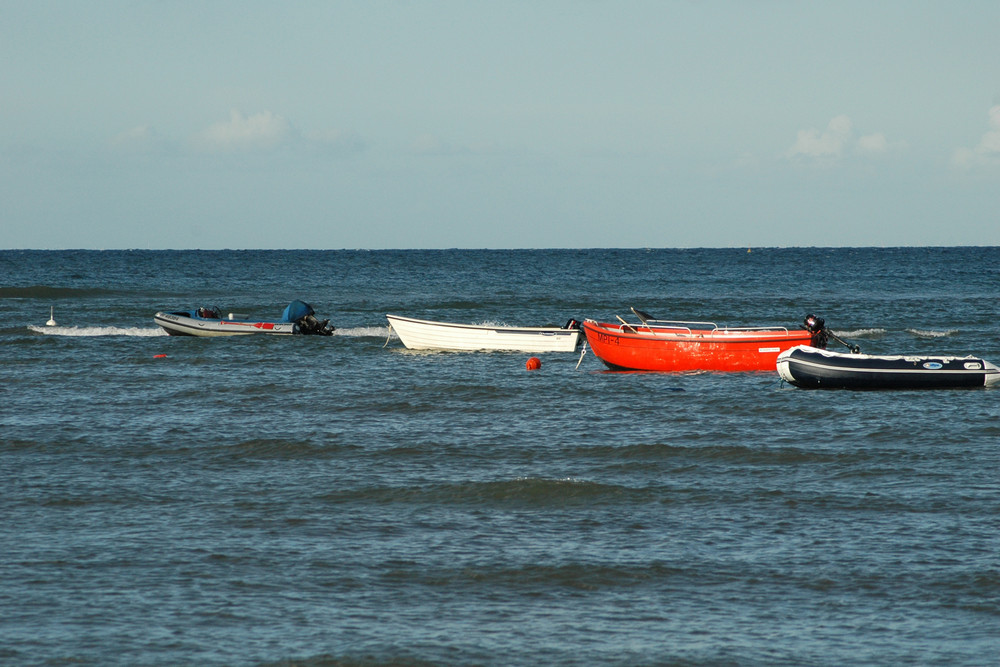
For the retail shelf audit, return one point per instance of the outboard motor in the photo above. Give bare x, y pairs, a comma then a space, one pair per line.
304, 317
572, 324
820, 334
310, 326
817, 327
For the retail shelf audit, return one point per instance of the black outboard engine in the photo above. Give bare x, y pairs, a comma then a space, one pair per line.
572, 324
817, 327
304, 317
820, 334
310, 326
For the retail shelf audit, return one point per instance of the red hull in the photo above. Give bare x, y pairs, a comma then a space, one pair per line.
638, 348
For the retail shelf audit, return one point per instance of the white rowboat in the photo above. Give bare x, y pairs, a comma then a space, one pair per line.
428, 335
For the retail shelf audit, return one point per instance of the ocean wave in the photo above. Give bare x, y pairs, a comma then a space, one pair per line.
97, 331
862, 333
572, 575
522, 491
930, 333
363, 332
46, 292
647, 453
352, 332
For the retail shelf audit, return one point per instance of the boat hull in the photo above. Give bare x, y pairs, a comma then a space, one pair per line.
188, 324
810, 368
430, 335
641, 348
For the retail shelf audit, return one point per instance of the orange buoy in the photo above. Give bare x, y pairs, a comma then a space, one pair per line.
159, 356
533, 364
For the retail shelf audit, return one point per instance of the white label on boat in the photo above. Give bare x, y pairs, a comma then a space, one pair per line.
973, 365
932, 365
768, 349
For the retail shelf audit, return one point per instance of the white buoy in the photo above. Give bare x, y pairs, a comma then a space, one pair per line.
51, 322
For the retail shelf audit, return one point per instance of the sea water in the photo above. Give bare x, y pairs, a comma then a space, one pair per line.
345, 501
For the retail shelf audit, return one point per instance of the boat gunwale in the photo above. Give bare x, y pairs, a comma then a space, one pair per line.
892, 371
719, 335
485, 327
669, 324
242, 327
814, 355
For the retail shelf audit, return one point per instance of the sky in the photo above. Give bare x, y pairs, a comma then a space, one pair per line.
498, 124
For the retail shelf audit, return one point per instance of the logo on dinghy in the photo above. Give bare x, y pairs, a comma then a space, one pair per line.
973, 365
933, 365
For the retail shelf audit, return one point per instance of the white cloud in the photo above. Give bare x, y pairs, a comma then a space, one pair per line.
987, 151
829, 143
241, 133
836, 140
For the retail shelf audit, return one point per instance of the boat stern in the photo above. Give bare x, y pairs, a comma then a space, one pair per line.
992, 378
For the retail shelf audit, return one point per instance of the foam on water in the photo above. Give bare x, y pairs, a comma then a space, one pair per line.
862, 333
97, 331
363, 332
930, 333
352, 332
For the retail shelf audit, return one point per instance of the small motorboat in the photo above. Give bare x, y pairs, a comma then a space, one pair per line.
665, 345
811, 368
298, 318
430, 335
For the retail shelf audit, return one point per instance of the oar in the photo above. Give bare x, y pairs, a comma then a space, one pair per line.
645, 318
631, 328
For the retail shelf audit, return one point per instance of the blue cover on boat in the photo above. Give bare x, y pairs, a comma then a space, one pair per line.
296, 310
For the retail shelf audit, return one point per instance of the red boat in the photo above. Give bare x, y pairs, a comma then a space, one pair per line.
662, 345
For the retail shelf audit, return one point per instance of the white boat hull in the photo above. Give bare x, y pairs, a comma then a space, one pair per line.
428, 335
